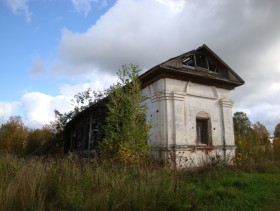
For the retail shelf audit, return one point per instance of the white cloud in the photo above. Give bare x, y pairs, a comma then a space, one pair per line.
85, 6
147, 32
98, 85
119, 38
175, 5
82, 6
20, 7
39, 108
243, 33
8, 109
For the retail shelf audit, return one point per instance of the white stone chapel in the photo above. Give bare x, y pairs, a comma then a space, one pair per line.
190, 108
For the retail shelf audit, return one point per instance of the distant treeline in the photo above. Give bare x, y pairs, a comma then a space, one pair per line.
252, 140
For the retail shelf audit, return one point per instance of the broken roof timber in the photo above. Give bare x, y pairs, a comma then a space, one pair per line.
173, 68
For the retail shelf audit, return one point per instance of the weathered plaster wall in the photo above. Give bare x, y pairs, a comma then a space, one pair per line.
173, 106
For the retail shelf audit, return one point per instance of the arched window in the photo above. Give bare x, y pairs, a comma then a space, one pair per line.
203, 128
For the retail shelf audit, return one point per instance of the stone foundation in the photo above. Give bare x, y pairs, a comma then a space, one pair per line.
194, 156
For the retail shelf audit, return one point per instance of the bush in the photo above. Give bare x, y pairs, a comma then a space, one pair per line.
126, 129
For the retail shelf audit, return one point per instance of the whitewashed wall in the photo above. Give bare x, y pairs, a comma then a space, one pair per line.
172, 109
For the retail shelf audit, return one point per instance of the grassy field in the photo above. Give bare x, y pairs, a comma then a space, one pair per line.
75, 184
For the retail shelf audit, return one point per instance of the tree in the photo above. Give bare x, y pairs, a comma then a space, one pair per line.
242, 128
13, 136
277, 131
262, 132
253, 146
242, 124
39, 141
276, 142
126, 129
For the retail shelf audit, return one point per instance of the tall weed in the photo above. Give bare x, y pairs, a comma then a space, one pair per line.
74, 183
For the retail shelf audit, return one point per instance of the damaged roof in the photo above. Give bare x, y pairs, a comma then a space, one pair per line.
201, 65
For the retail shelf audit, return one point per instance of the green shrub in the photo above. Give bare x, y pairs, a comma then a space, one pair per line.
126, 129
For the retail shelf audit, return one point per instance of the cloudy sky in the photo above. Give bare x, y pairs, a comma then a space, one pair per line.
52, 49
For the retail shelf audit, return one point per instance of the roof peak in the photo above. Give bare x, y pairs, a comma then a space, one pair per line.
201, 62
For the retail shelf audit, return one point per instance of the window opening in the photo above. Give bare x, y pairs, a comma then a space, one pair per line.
189, 61
201, 61
202, 131
212, 66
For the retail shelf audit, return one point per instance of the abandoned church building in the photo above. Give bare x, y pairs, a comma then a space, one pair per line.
189, 106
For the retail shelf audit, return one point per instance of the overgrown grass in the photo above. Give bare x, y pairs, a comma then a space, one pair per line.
76, 184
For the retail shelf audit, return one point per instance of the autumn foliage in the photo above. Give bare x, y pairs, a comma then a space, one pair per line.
17, 139
13, 136
252, 142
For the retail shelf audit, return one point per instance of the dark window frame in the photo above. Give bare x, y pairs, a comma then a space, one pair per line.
203, 131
